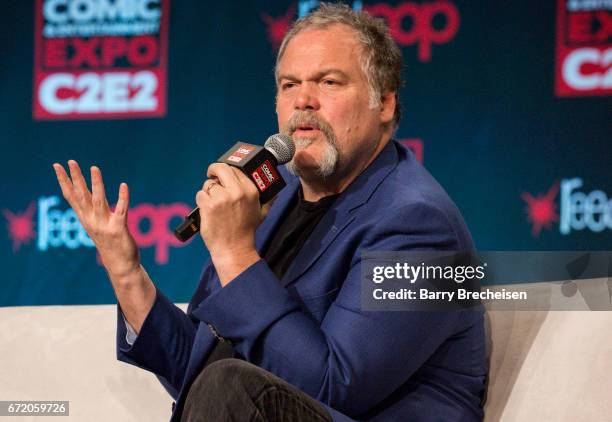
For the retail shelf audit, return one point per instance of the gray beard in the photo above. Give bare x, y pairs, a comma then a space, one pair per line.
328, 163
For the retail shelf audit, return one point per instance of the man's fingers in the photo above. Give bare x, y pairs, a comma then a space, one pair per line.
224, 175
83, 196
246, 183
208, 185
98, 196
123, 202
65, 183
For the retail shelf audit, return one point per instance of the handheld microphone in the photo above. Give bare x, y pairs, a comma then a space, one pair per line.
258, 164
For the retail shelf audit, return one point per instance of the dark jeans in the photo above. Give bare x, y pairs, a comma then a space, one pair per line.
235, 390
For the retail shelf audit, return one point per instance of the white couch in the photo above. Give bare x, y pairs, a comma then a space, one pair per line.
545, 365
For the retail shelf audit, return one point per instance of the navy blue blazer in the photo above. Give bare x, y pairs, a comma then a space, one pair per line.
308, 328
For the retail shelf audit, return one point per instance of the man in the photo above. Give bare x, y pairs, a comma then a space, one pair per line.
282, 296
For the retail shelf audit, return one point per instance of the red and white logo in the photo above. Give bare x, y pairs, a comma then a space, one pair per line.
584, 48
260, 183
268, 173
579, 210
241, 152
100, 59
265, 175
244, 149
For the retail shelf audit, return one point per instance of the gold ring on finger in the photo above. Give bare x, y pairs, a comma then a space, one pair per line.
210, 186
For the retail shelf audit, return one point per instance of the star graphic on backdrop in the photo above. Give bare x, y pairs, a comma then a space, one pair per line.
542, 209
278, 27
20, 226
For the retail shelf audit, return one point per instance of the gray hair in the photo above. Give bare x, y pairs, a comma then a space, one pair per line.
382, 59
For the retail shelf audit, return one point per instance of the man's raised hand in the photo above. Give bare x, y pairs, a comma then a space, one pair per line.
108, 229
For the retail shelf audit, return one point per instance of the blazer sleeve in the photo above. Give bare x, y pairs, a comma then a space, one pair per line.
354, 359
163, 344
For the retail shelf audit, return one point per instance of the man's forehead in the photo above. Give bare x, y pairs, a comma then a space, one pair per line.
329, 48
332, 35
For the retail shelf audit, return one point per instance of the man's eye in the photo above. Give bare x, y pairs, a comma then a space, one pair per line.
287, 85
330, 82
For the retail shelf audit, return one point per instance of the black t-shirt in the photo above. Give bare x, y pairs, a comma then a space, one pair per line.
293, 231
296, 226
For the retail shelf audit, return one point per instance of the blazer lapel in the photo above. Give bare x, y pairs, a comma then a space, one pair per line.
340, 214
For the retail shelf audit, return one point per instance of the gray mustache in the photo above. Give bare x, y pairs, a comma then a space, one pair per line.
305, 118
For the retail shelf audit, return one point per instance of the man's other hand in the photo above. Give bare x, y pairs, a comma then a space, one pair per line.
107, 229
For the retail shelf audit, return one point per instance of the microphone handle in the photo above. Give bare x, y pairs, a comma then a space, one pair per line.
189, 226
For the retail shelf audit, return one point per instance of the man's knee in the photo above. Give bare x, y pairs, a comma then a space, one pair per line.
222, 391
230, 376
232, 389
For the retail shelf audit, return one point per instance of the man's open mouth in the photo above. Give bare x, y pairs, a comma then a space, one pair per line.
306, 128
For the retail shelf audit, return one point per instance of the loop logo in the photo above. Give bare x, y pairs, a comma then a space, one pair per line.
159, 233
422, 30
429, 23
149, 224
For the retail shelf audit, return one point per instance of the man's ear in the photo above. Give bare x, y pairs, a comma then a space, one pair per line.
387, 106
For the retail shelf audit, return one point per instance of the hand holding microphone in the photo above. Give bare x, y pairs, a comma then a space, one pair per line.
257, 164
229, 203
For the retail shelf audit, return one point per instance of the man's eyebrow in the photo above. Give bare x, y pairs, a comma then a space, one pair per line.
318, 75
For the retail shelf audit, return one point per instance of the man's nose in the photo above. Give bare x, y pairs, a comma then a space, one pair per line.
307, 98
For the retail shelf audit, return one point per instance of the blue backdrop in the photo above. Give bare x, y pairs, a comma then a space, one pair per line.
517, 132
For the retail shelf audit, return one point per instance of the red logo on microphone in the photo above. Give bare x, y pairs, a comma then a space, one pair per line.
265, 175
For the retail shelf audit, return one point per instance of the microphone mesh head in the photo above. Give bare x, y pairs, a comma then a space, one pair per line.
281, 146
